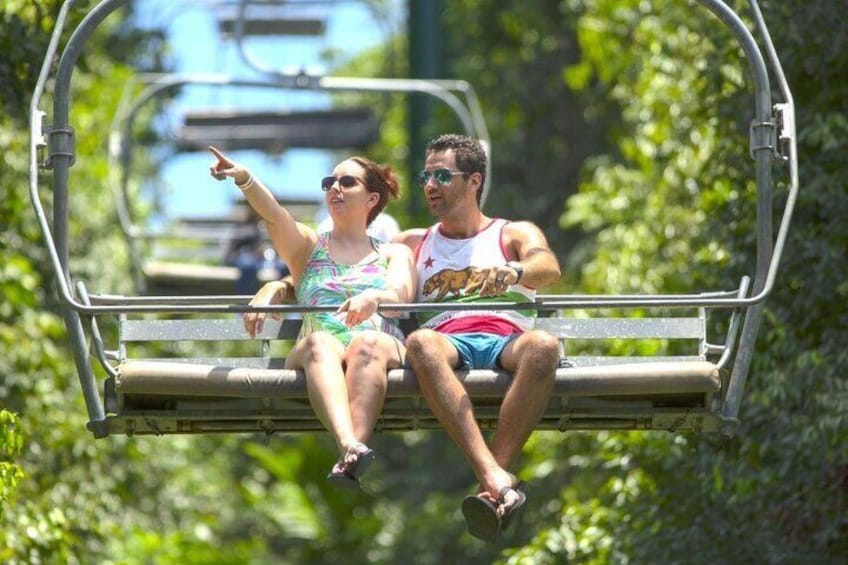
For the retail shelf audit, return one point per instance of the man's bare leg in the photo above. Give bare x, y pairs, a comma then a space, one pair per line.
433, 357
532, 358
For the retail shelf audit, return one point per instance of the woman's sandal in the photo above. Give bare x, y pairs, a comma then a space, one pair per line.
349, 477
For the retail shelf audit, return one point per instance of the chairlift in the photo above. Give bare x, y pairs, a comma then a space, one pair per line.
337, 128
239, 384
349, 127
265, 26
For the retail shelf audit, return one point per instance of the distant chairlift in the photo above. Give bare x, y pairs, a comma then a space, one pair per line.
335, 128
338, 128
232, 383
204, 242
277, 26
195, 249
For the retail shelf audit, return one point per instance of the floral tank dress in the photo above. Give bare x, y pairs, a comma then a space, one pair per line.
326, 282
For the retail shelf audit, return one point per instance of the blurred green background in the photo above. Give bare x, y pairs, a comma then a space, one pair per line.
620, 127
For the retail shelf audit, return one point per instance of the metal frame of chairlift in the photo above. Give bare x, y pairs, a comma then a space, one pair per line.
772, 138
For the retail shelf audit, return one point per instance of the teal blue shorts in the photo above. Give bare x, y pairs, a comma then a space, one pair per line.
479, 350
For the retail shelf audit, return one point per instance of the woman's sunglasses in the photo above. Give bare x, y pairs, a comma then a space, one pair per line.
346, 181
442, 176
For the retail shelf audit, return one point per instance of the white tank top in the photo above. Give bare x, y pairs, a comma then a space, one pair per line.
448, 271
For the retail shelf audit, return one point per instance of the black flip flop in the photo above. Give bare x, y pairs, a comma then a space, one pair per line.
349, 478
481, 517
343, 480
363, 461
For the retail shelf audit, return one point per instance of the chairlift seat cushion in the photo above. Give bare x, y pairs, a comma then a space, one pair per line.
193, 379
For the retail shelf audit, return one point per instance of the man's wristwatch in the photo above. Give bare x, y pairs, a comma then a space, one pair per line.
517, 267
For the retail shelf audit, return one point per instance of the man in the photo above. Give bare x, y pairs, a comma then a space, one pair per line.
469, 257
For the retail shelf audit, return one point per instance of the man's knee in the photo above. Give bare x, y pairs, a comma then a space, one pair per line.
541, 352
545, 344
422, 344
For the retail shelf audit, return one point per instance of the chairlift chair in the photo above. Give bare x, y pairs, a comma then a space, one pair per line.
243, 387
336, 128
350, 127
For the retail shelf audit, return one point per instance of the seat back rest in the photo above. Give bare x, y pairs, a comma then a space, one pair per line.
568, 329
690, 330
208, 329
216, 333
624, 328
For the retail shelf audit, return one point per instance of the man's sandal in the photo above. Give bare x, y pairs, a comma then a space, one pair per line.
481, 517
517, 509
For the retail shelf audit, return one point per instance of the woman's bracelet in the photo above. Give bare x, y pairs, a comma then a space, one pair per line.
247, 184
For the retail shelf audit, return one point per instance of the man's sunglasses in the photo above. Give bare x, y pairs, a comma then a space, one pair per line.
442, 176
346, 181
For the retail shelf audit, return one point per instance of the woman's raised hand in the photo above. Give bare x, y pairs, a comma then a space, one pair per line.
226, 167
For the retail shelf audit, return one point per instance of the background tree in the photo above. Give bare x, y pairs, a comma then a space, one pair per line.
776, 492
66, 498
516, 55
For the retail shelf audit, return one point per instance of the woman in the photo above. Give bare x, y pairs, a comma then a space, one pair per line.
345, 354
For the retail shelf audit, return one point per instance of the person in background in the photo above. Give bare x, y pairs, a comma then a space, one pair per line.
345, 354
471, 258
256, 261
384, 227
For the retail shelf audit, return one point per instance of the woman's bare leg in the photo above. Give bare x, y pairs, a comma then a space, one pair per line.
369, 356
320, 356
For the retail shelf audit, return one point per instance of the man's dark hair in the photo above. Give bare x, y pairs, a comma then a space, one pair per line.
468, 152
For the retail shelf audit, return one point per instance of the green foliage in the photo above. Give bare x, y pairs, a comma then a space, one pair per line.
59, 499
11, 444
651, 205
672, 210
515, 54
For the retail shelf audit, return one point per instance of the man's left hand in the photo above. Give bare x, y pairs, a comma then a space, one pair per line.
498, 280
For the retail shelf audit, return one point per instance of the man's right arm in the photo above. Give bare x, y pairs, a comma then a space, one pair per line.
531, 249
411, 238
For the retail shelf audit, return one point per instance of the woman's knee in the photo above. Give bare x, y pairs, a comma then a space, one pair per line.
378, 348
364, 347
320, 346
